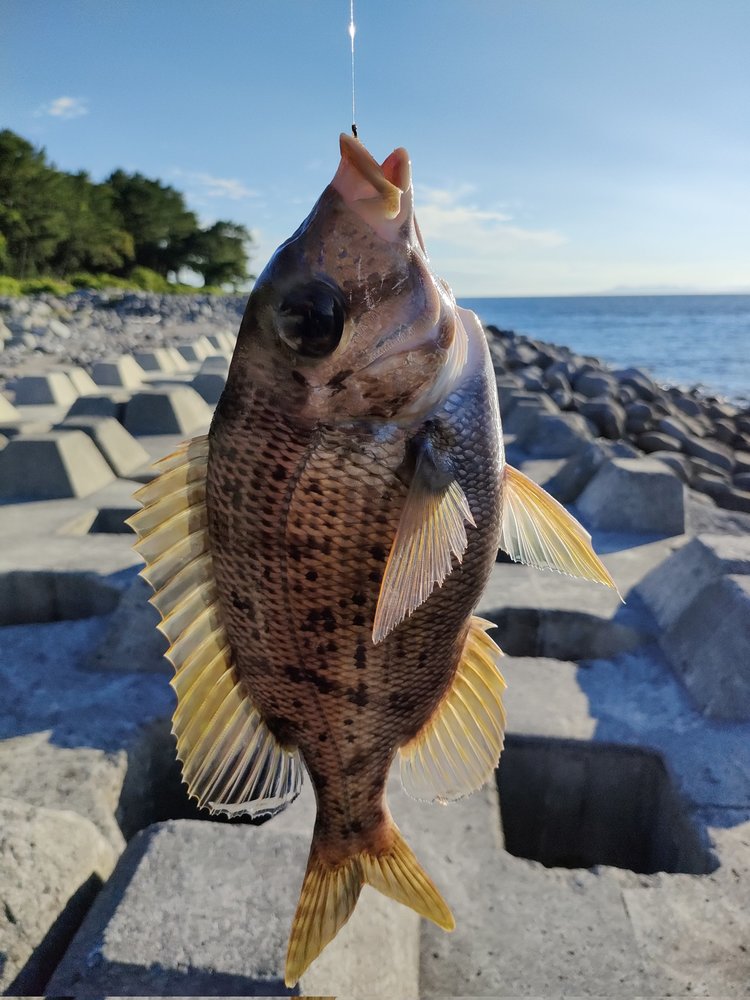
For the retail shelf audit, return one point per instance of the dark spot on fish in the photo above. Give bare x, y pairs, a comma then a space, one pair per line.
267, 573
350, 738
314, 487
359, 599
348, 722
320, 782
279, 473
323, 737
343, 603
356, 764
358, 696
295, 675
402, 704
377, 552
325, 547
358, 619
360, 655
294, 553
313, 615
331, 646
311, 575
322, 683
296, 703
298, 588
375, 576
241, 603
330, 626
299, 377
355, 826
381, 519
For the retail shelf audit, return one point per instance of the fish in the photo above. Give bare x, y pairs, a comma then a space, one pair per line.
318, 556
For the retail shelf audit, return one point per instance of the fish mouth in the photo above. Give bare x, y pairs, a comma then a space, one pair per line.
373, 189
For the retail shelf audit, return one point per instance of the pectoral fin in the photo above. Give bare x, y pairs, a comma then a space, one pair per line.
231, 761
457, 751
538, 531
431, 532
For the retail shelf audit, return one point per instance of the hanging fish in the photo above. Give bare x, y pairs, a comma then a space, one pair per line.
317, 557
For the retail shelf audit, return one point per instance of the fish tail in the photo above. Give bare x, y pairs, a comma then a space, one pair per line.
330, 893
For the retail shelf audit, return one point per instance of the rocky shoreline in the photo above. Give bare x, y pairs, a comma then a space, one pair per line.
617, 858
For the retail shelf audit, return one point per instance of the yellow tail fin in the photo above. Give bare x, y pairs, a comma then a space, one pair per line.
330, 893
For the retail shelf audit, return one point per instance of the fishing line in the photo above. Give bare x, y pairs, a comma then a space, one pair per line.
352, 33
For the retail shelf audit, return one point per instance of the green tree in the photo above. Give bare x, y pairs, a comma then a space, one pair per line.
156, 217
95, 239
219, 253
31, 218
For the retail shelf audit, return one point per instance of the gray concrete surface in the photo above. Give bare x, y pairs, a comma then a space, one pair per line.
636, 495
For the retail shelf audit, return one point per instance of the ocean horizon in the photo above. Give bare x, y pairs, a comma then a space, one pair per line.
691, 340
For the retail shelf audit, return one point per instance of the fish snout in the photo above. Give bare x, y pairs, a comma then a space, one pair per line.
379, 192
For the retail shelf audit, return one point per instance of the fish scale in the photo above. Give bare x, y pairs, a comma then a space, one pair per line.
307, 651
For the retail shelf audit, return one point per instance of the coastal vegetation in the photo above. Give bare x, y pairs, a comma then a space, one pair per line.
60, 231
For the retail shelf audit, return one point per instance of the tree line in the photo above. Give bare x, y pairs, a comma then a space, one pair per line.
64, 224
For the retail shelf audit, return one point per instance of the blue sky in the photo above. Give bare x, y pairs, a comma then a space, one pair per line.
558, 146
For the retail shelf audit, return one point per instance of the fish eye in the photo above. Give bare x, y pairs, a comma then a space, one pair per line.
311, 319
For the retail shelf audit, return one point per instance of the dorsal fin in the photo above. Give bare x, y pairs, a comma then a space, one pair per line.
231, 762
458, 750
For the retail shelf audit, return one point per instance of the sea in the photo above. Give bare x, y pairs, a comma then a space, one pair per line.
684, 340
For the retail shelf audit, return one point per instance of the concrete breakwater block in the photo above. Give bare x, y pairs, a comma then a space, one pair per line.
123, 453
133, 642
81, 381
82, 779
674, 584
196, 350
204, 908
558, 435
123, 371
222, 341
209, 385
161, 359
708, 647
8, 412
100, 405
48, 595
52, 864
54, 388
635, 495
52, 466
170, 410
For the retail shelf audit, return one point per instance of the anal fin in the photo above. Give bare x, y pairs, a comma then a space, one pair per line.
538, 531
231, 762
458, 750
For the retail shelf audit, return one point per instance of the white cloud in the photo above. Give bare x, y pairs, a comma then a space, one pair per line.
208, 186
64, 107
446, 216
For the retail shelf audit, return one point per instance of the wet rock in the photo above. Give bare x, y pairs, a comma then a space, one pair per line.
593, 384
634, 495
657, 441
710, 451
679, 464
638, 416
557, 435
607, 415
640, 381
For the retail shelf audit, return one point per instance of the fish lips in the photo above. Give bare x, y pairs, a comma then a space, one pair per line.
380, 193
